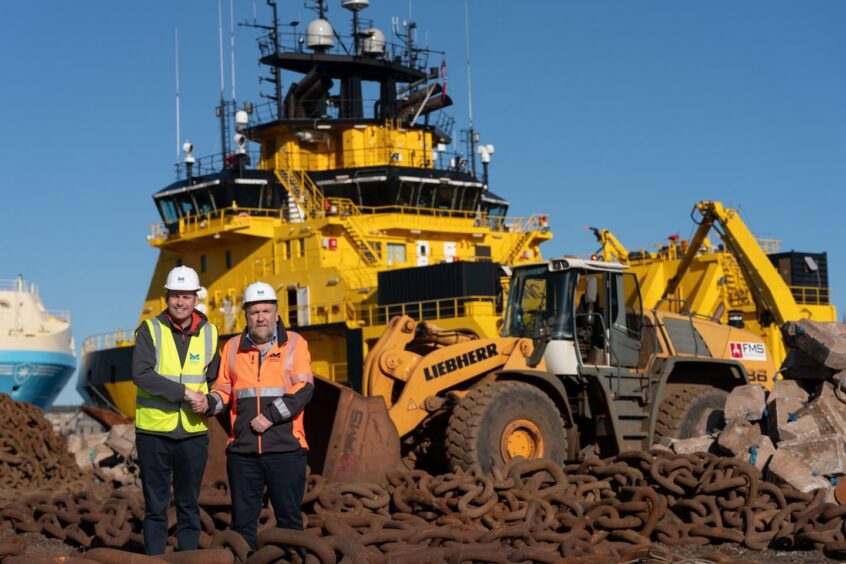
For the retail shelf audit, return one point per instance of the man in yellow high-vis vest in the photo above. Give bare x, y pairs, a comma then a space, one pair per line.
174, 364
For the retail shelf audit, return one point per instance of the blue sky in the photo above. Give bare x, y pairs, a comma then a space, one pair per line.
620, 114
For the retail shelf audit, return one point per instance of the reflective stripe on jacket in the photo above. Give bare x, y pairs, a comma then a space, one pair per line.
155, 413
278, 387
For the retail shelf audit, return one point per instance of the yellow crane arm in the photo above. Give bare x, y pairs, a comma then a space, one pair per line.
612, 248
764, 281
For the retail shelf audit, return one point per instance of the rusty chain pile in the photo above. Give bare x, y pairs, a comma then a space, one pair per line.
31, 455
529, 511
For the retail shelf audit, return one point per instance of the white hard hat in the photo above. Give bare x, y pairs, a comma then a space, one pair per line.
259, 292
183, 278
202, 293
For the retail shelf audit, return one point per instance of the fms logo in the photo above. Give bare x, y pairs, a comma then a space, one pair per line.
747, 351
194, 357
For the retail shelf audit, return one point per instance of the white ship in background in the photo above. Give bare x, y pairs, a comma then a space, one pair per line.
37, 355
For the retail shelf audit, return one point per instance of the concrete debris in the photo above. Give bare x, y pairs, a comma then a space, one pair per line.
824, 342
739, 436
689, 446
110, 456
829, 407
786, 468
780, 412
746, 401
759, 454
787, 389
824, 455
796, 432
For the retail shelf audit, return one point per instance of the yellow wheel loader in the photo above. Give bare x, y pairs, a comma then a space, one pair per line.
580, 364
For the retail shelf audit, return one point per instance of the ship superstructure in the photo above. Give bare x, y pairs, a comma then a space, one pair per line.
353, 207
37, 354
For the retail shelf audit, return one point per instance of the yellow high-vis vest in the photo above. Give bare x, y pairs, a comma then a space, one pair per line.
154, 413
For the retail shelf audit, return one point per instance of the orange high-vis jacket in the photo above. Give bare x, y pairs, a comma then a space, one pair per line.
279, 387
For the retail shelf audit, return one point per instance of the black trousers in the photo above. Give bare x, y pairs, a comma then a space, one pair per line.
284, 473
164, 460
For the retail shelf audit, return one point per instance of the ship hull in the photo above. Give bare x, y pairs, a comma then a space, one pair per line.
35, 376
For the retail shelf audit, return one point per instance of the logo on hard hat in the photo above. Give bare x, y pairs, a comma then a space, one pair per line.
180, 278
260, 292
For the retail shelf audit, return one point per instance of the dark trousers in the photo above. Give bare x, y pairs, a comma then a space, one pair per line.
284, 473
182, 461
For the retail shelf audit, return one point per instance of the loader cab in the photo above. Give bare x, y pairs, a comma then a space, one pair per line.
582, 313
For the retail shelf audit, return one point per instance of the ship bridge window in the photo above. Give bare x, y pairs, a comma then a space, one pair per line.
167, 209
444, 198
377, 195
426, 196
468, 199
186, 204
204, 201
405, 194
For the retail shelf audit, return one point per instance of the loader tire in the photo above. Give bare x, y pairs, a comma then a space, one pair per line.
690, 411
502, 420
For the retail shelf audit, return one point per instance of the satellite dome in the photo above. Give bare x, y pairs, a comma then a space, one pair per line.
355, 5
374, 41
319, 35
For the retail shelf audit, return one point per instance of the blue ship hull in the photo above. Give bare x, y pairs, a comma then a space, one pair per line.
36, 377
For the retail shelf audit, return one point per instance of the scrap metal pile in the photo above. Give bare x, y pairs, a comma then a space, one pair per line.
529, 511
31, 455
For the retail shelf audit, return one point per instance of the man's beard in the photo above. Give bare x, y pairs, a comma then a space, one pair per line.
261, 335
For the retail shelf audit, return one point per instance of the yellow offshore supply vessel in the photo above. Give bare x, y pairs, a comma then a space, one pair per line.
353, 207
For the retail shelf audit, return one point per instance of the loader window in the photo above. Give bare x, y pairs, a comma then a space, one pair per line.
540, 304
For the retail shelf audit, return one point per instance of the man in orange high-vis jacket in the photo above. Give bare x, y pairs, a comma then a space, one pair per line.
265, 378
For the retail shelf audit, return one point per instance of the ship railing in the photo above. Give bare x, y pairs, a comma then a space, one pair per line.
380, 155
216, 162
18, 285
536, 222
810, 295
294, 41
341, 207
103, 341
215, 219
429, 310
60, 314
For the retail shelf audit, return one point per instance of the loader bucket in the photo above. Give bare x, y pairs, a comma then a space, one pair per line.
350, 437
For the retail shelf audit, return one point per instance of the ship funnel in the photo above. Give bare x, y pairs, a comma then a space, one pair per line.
374, 41
355, 5
319, 35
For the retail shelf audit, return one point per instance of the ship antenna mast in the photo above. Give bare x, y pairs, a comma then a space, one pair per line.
277, 73
232, 44
472, 134
176, 43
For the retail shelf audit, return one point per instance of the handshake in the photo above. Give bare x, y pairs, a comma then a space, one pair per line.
199, 402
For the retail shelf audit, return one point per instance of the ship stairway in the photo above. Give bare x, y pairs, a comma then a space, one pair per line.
305, 199
518, 248
365, 250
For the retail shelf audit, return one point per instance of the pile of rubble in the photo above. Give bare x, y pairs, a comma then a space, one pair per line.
796, 433
111, 456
